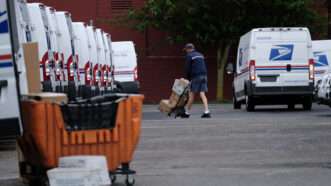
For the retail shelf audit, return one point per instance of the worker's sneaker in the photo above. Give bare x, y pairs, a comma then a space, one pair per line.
206, 115
185, 115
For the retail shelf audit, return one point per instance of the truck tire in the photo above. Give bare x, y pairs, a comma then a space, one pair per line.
236, 104
250, 105
307, 104
291, 106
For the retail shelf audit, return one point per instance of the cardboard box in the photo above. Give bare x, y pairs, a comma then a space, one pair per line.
177, 100
180, 85
165, 106
31, 59
49, 97
177, 97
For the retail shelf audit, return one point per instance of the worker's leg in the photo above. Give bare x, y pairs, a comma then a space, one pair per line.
190, 102
203, 90
204, 101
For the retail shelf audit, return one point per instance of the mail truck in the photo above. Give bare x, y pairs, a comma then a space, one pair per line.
274, 66
41, 34
125, 66
322, 57
54, 34
67, 48
82, 50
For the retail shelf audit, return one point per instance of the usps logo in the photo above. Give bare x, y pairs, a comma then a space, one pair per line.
281, 53
3, 20
321, 59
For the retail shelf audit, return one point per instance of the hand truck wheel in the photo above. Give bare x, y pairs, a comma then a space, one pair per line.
130, 180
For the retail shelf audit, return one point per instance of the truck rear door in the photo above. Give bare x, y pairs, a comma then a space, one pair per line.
282, 58
125, 61
9, 88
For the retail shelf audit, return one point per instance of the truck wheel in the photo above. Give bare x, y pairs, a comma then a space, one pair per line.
130, 180
236, 104
291, 106
250, 105
307, 104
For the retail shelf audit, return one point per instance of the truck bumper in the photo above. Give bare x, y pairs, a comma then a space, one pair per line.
70, 90
47, 86
280, 95
253, 90
85, 91
9, 128
59, 88
131, 87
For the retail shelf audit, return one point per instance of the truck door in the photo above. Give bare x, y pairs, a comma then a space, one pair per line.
10, 123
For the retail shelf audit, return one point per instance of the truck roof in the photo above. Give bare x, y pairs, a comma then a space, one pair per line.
122, 45
275, 29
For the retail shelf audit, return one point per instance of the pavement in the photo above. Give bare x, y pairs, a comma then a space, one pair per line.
272, 146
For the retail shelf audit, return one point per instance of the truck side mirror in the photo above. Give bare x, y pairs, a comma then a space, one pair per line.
229, 69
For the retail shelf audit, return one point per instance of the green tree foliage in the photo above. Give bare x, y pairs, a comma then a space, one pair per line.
220, 23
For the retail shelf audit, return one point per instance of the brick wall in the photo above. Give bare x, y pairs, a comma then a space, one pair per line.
158, 75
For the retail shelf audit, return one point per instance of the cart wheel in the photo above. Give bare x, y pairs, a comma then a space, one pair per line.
113, 178
130, 181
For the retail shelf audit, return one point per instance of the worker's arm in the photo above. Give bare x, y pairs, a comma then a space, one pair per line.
188, 67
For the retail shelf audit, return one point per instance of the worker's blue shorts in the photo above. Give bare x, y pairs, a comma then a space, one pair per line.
199, 84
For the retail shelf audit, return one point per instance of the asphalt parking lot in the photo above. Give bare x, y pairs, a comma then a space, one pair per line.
271, 146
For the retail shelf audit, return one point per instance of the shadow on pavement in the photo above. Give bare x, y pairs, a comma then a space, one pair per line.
266, 109
11, 182
325, 115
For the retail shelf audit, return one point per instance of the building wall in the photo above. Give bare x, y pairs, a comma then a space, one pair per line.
159, 62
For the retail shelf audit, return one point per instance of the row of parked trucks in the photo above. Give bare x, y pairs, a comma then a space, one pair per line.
74, 57
46, 59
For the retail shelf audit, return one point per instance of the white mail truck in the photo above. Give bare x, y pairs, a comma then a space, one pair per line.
10, 46
125, 66
274, 66
322, 57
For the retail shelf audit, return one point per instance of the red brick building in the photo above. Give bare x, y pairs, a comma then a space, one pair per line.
159, 63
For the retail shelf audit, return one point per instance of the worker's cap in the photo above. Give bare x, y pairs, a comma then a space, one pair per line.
189, 46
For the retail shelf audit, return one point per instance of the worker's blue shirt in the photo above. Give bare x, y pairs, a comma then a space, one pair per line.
195, 65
